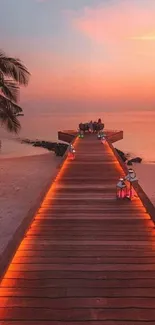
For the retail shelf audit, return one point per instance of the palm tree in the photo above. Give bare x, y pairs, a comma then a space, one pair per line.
12, 74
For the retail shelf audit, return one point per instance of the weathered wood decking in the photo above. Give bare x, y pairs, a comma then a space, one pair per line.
87, 258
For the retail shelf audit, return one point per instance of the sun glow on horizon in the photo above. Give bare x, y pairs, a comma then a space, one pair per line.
150, 37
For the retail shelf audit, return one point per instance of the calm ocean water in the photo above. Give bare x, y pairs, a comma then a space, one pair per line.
138, 127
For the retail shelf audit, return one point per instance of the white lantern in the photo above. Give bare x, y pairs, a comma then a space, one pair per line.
71, 152
103, 139
80, 133
100, 134
131, 178
121, 189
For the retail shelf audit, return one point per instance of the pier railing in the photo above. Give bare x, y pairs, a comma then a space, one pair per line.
69, 135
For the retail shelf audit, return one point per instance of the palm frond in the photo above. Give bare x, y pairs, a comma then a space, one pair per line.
5, 102
8, 112
14, 68
11, 122
10, 89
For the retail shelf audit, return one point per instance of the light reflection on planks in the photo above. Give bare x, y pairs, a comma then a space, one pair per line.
87, 258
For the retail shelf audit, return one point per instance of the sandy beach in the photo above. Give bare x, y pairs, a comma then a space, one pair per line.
21, 182
13, 148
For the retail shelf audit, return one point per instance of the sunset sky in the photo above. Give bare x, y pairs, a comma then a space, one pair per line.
83, 51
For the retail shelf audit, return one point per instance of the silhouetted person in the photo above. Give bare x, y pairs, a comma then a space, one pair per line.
94, 126
91, 126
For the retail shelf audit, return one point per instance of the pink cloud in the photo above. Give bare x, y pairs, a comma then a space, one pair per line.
122, 21
121, 63
120, 31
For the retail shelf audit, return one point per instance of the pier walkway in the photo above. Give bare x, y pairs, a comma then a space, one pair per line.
87, 257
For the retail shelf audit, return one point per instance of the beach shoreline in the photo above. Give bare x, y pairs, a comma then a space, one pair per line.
24, 183
12, 148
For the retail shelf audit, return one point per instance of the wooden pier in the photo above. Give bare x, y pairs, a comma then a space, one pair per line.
87, 258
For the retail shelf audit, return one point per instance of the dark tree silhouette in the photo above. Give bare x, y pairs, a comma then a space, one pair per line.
12, 74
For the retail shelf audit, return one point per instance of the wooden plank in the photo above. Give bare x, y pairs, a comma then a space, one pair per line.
116, 322
78, 292
87, 258
83, 314
93, 237
82, 267
118, 243
46, 245
100, 275
104, 223
45, 227
107, 255
89, 235
85, 283
82, 260
69, 303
